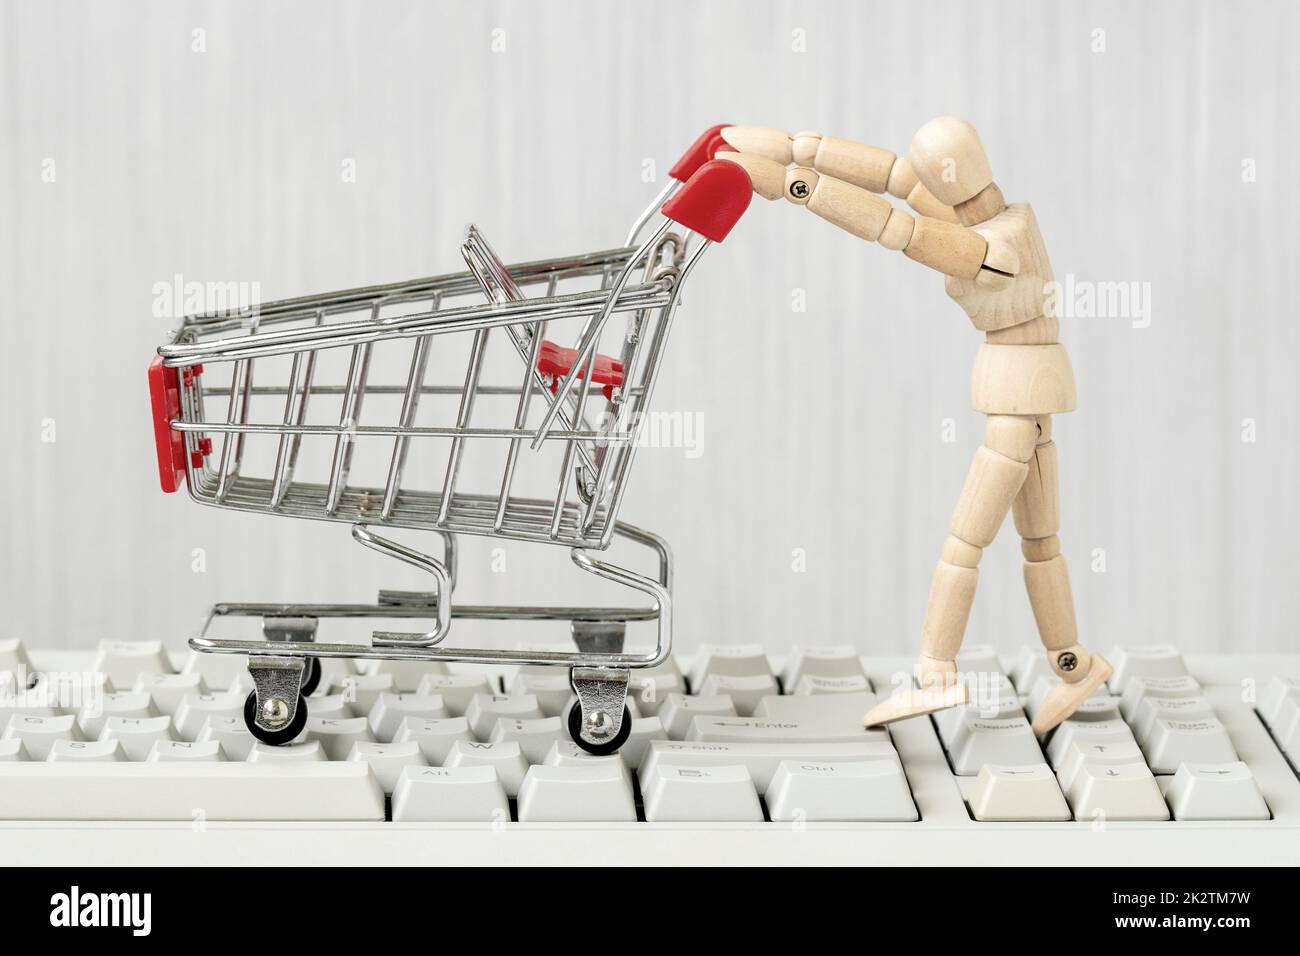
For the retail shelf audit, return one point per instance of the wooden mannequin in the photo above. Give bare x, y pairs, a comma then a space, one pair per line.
997, 269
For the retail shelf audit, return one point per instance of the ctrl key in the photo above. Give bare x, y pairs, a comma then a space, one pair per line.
450, 794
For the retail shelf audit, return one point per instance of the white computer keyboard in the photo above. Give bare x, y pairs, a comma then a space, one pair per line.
1183, 761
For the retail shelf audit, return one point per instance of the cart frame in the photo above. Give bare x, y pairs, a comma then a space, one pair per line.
596, 458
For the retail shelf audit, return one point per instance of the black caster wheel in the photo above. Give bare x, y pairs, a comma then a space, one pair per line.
598, 750
311, 677
274, 737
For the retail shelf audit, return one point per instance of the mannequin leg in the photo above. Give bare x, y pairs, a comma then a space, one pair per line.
1036, 512
996, 474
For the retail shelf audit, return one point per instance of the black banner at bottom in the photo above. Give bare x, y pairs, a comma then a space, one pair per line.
324, 906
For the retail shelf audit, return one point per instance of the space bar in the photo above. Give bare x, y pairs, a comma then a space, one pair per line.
189, 791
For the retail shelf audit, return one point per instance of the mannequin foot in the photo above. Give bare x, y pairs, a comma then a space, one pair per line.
1064, 699
913, 703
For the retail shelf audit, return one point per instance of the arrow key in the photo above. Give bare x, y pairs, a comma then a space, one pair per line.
1219, 791
1126, 791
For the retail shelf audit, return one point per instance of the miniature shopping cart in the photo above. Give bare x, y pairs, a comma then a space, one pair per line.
285, 437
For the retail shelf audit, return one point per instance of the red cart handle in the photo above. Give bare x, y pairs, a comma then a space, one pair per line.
700, 152
713, 199
165, 396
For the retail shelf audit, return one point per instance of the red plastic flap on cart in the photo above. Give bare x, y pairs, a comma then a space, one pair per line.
165, 395
700, 152
713, 200
555, 362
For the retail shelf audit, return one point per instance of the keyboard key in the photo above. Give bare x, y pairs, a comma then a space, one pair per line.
822, 715
534, 737
91, 718
13, 658
1005, 742
1117, 792
361, 690
184, 750
86, 751
1281, 711
505, 758
391, 709
1141, 687
1224, 791
166, 691
434, 737
645, 730
231, 733
576, 793
137, 734
1018, 793
745, 692
668, 667
1288, 737
456, 690
1071, 732
311, 752
844, 709
1159, 660
242, 685
1154, 709
336, 737
978, 660
194, 710
13, 749
123, 661
387, 761
449, 794
731, 660
1124, 751
1098, 708
406, 675
1174, 742
219, 671
761, 759
162, 790
840, 661
1031, 666
552, 691
334, 669
868, 790
39, 733
19, 702
954, 724
810, 684
486, 709
990, 690
565, 753
331, 705
652, 689
672, 792
679, 710
762, 730
1280, 701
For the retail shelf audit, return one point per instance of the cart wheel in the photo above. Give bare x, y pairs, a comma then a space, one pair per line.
311, 677
274, 737
598, 750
